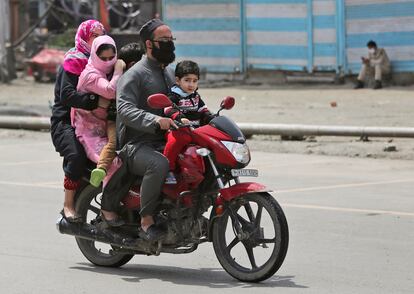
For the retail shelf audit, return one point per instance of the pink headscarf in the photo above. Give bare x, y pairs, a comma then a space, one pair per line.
97, 63
77, 57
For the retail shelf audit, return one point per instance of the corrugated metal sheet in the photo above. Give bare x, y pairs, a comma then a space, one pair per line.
390, 23
331, 35
208, 32
324, 34
277, 36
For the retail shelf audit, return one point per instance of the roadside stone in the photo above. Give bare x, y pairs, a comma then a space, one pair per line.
390, 148
292, 138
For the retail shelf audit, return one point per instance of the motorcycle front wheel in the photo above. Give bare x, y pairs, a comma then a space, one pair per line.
88, 206
251, 238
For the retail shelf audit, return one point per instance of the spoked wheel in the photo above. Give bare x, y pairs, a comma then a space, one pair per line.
98, 253
251, 238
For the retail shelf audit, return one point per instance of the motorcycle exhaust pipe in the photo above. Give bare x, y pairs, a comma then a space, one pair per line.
92, 233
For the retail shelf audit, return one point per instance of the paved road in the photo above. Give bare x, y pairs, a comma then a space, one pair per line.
351, 224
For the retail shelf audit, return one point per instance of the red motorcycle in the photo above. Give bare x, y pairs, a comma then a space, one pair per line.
244, 222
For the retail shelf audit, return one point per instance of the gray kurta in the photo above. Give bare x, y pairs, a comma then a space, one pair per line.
137, 139
136, 120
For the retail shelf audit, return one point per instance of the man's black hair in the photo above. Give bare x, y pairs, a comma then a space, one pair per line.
130, 52
187, 67
371, 44
104, 47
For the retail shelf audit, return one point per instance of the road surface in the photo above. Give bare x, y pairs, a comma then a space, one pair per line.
351, 224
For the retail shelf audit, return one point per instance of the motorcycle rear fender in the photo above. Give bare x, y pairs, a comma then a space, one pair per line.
228, 194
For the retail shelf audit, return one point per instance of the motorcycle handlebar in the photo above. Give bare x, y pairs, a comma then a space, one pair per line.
179, 124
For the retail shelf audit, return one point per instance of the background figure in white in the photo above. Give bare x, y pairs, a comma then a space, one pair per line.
378, 61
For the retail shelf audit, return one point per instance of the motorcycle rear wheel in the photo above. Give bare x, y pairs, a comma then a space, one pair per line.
262, 224
94, 251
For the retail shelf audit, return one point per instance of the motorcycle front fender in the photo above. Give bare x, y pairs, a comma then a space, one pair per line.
233, 192
230, 193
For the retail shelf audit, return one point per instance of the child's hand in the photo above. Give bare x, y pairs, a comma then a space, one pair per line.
185, 121
103, 103
120, 65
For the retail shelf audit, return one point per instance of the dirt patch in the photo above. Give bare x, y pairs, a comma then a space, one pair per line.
290, 104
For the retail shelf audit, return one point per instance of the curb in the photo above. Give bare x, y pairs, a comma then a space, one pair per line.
248, 129
320, 130
24, 122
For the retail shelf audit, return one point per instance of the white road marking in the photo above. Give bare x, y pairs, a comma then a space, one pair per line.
57, 185
276, 166
351, 185
358, 210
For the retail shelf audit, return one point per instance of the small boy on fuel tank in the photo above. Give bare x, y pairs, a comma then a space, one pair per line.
193, 111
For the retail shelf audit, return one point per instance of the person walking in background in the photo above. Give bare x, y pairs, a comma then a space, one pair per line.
378, 61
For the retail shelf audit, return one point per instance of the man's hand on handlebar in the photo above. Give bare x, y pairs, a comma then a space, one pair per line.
185, 121
166, 123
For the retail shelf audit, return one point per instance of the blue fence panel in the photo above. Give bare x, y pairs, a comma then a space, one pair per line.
324, 35
207, 32
277, 34
235, 35
389, 23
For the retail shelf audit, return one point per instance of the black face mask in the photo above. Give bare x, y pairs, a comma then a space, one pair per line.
165, 53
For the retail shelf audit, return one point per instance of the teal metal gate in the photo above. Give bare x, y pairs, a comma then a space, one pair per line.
295, 35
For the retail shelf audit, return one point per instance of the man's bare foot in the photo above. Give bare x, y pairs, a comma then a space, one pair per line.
111, 218
69, 211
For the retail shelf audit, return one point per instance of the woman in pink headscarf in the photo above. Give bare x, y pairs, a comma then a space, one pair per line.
96, 129
77, 58
66, 97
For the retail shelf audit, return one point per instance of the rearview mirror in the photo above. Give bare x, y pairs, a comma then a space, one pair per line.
159, 101
227, 103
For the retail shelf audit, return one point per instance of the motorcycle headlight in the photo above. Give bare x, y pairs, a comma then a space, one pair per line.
240, 151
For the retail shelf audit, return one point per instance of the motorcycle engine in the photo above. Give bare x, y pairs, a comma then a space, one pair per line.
184, 230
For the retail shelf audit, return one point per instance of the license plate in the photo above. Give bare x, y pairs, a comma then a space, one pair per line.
244, 172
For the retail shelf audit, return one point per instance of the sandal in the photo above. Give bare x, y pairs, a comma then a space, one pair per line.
153, 233
71, 219
116, 222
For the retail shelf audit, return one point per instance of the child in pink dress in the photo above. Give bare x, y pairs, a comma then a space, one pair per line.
96, 129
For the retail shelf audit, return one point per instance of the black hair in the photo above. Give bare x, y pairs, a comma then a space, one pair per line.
143, 44
131, 52
371, 44
187, 67
104, 47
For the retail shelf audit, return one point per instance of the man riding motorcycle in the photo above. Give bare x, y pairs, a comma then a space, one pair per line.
140, 143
